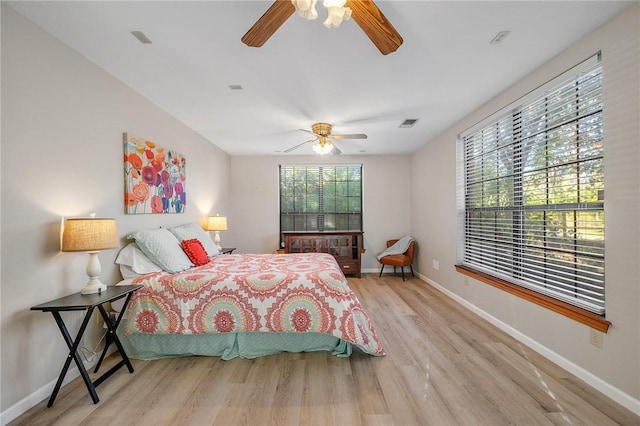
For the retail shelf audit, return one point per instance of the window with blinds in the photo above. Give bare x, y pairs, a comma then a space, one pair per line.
533, 191
320, 198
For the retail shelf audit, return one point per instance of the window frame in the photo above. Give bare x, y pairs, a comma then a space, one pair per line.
326, 219
507, 278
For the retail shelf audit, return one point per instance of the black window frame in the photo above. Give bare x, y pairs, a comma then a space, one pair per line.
320, 198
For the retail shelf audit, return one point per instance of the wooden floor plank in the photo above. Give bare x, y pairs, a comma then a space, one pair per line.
287, 400
368, 390
205, 402
444, 366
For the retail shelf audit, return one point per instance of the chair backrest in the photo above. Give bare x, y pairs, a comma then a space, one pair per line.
409, 251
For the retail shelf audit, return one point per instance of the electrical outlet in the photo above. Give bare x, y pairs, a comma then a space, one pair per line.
596, 338
435, 264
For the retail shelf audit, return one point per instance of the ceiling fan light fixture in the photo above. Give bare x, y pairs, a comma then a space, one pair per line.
336, 11
323, 146
322, 129
322, 149
306, 8
322, 142
336, 14
367, 15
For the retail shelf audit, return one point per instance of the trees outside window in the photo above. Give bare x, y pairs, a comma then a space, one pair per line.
320, 198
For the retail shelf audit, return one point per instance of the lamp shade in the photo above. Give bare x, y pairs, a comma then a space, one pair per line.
217, 223
89, 234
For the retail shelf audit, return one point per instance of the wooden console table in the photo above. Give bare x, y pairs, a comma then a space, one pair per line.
346, 247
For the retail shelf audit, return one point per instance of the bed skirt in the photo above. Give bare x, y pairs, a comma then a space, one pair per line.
228, 345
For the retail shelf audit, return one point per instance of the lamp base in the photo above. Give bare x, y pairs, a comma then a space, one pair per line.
93, 286
216, 240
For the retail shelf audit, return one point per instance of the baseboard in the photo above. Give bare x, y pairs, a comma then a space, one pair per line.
606, 388
41, 394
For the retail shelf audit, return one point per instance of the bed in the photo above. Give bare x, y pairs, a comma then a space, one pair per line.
243, 305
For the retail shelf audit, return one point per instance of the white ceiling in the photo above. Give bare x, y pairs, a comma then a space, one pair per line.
306, 73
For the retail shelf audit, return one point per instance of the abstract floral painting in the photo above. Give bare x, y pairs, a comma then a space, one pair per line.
155, 178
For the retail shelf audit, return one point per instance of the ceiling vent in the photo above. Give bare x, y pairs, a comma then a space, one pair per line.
141, 37
409, 122
235, 87
499, 37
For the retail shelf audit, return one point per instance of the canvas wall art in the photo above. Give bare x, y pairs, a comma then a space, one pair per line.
155, 178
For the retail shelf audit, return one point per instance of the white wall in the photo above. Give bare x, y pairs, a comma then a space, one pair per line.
615, 368
62, 155
254, 222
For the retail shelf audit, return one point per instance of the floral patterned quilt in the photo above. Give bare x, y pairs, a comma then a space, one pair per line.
294, 293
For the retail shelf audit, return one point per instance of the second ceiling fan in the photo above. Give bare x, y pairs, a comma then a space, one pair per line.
323, 137
365, 12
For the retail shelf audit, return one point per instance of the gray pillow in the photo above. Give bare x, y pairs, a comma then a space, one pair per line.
163, 248
189, 231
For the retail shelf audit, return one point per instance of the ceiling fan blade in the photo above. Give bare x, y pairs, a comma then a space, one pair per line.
335, 150
354, 136
308, 131
375, 25
299, 145
268, 23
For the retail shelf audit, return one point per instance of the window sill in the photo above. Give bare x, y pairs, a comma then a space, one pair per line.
562, 308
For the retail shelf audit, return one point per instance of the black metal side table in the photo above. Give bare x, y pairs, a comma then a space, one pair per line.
227, 250
88, 302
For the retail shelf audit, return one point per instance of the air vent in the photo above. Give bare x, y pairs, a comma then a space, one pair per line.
409, 122
141, 37
235, 87
499, 37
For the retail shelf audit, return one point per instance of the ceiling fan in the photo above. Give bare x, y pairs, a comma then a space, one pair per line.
322, 133
365, 12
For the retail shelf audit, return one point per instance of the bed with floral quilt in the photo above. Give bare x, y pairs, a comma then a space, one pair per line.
248, 305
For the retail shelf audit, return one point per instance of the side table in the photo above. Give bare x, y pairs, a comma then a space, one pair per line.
88, 302
227, 250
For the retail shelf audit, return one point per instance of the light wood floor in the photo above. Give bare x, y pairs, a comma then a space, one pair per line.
444, 366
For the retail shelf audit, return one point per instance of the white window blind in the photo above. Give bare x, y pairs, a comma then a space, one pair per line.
533, 191
318, 198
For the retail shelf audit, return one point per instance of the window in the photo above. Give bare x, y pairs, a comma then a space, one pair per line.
320, 198
532, 191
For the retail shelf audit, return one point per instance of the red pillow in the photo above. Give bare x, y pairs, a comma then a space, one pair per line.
195, 251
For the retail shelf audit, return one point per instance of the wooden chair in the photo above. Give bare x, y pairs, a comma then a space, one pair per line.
401, 260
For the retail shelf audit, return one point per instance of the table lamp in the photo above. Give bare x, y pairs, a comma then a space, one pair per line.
91, 235
217, 223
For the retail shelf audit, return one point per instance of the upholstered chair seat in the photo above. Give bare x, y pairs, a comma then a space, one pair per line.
399, 260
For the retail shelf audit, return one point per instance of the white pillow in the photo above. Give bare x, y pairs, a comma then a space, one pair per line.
189, 231
127, 272
135, 261
163, 248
